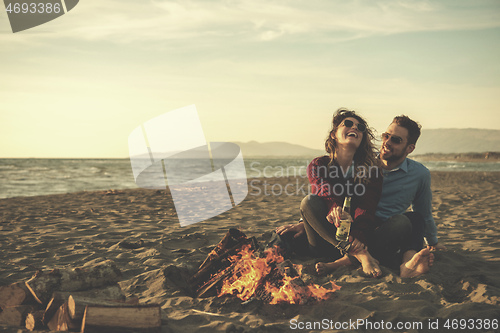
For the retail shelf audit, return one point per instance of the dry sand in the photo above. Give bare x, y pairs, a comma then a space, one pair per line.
52, 231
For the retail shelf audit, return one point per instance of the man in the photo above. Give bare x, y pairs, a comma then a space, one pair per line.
407, 182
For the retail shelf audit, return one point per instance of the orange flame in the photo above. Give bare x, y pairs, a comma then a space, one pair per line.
249, 270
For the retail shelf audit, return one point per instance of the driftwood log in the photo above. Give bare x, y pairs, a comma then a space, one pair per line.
61, 320
15, 316
43, 284
53, 306
14, 294
77, 304
111, 293
34, 320
119, 319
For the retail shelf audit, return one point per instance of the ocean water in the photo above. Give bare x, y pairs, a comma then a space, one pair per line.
30, 177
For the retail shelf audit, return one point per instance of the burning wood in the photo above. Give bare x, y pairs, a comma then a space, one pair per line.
217, 265
246, 274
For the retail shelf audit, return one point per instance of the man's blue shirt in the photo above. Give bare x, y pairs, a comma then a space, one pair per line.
408, 184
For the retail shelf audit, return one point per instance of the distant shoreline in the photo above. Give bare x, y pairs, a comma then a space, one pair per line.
460, 157
437, 157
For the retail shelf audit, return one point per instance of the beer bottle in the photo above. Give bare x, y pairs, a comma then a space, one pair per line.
344, 228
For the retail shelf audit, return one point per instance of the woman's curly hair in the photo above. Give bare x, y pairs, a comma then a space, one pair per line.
365, 156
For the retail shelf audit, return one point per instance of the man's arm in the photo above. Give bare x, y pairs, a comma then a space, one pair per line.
423, 205
364, 215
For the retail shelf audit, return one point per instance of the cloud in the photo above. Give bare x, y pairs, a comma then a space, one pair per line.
264, 20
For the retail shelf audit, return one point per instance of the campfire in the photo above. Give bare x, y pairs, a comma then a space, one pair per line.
236, 267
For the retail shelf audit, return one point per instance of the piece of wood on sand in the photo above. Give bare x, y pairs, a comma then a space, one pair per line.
77, 304
61, 320
55, 303
34, 320
43, 284
15, 294
15, 316
113, 292
119, 319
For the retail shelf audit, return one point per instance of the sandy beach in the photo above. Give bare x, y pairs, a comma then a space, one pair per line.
70, 230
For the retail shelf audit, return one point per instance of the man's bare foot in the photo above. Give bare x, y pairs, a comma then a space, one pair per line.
326, 267
416, 263
369, 264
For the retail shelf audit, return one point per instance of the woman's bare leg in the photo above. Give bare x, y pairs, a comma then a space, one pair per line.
323, 268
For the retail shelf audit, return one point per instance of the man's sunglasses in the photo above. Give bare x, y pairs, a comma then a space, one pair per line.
350, 123
394, 139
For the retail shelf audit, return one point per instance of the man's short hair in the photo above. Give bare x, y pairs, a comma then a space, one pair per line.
412, 126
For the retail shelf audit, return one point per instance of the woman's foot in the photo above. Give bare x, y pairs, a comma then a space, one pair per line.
369, 264
323, 268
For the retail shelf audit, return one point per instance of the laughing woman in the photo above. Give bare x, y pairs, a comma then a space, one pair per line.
349, 169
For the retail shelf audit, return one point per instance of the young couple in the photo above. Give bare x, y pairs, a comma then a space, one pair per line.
382, 232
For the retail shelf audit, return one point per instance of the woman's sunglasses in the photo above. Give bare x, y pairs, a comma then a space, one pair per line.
350, 123
394, 139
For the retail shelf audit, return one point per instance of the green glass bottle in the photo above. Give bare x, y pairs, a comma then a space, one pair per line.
344, 228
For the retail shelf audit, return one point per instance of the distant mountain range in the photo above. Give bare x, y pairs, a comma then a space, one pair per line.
453, 140
277, 149
442, 141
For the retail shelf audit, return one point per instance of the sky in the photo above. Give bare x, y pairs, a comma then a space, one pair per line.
258, 70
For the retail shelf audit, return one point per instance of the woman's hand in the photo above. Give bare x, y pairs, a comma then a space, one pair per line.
296, 229
334, 216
